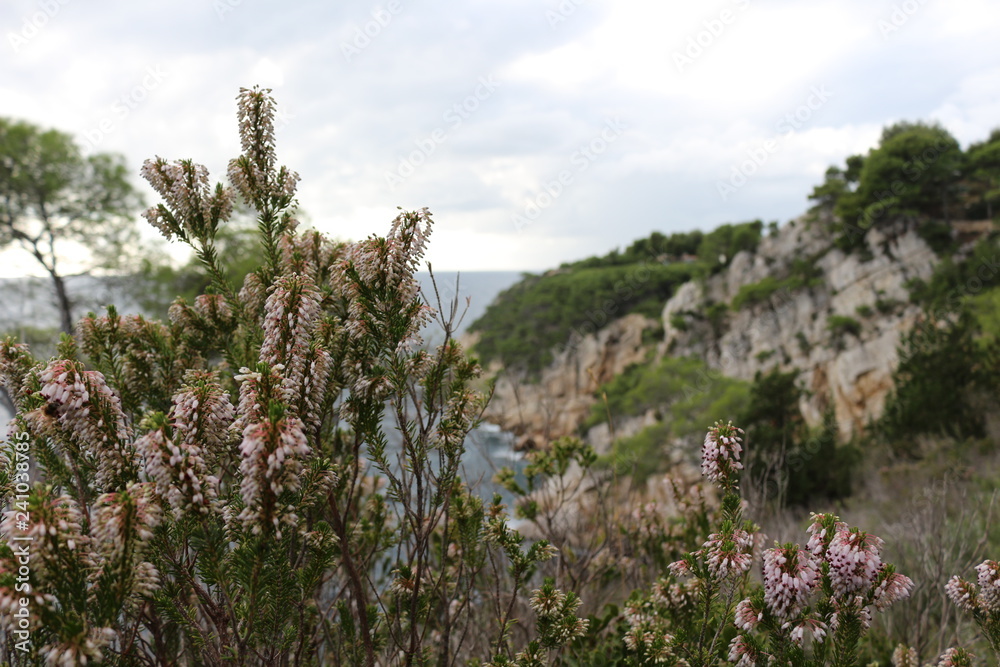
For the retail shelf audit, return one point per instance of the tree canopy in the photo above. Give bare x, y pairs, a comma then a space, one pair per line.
54, 199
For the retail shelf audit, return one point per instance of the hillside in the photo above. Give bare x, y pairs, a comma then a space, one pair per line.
638, 350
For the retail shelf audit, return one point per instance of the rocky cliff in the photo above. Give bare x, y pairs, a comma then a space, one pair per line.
560, 400
840, 334
839, 329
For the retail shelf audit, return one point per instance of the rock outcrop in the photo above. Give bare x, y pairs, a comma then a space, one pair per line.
561, 399
844, 363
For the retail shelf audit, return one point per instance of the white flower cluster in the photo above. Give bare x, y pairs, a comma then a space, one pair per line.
84, 413
272, 461
904, 656
193, 209
984, 599
180, 467
744, 654
253, 173
855, 560
123, 526
729, 554
720, 453
790, 576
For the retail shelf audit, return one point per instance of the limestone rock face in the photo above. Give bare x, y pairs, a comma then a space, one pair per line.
846, 368
791, 330
556, 404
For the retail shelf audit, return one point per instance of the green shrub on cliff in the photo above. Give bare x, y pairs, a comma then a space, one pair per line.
542, 314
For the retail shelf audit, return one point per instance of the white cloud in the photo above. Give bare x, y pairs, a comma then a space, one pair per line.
352, 121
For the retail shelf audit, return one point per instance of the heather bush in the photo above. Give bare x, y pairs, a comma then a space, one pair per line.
271, 477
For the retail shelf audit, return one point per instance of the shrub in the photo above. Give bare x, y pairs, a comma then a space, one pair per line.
838, 325
225, 488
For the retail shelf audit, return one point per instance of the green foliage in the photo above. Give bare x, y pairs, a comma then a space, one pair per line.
841, 325
540, 315
941, 369
983, 174
529, 321
719, 246
789, 462
755, 293
913, 170
954, 279
657, 247
802, 274
683, 391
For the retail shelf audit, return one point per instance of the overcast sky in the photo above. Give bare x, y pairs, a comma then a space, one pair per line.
536, 131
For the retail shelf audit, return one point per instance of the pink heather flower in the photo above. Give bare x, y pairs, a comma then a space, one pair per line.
213, 308
743, 653
815, 627
257, 390
123, 526
680, 568
201, 417
790, 576
272, 461
854, 561
193, 210
962, 593
253, 173
748, 617
720, 453
821, 531
59, 551
202, 414
890, 587
904, 656
729, 555
956, 657
989, 584
386, 267
313, 254
253, 293
84, 413
80, 649
290, 316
